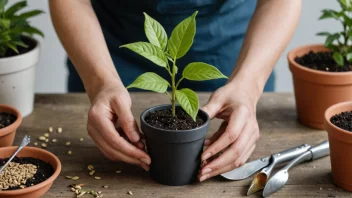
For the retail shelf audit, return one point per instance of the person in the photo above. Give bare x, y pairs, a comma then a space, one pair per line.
243, 38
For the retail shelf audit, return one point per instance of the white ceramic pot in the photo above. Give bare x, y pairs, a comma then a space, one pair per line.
17, 80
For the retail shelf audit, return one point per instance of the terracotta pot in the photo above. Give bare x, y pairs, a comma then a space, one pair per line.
7, 134
41, 188
315, 91
340, 147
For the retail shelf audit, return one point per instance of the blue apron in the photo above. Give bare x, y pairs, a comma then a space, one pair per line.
221, 27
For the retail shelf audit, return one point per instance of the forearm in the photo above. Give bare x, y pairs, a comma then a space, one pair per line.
80, 33
269, 32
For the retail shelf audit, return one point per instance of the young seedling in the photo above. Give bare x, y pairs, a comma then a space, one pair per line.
165, 53
13, 26
338, 42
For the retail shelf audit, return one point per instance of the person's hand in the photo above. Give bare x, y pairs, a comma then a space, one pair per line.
234, 142
111, 106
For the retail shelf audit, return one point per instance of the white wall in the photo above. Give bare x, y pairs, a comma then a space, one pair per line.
51, 71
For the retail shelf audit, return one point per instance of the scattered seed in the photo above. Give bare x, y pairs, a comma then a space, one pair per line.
130, 193
59, 130
43, 145
68, 143
46, 135
99, 192
118, 171
97, 178
78, 187
69, 152
47, 140
75, 178
81, 139
50, 129
54, 140
68, 177
91, 172
73, 190
42, 138
81, 194
90, 167
105, 186
36, 143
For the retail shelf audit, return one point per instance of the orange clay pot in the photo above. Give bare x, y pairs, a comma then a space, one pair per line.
41, 188
7, 134
340, 142
315, 90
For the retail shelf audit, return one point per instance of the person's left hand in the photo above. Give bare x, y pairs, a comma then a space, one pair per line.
234, 142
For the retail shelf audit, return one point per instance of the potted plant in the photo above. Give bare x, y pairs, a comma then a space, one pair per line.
338, 119
19, 53
322, 73
174, 133
41, 168
10, 120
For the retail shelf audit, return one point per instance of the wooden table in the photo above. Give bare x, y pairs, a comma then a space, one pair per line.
279, 130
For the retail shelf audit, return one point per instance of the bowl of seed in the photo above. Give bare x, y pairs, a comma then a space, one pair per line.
10, 120
30, 174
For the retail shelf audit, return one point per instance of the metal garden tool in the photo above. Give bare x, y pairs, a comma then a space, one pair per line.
280, 178
252, 167
26, 140
262, 177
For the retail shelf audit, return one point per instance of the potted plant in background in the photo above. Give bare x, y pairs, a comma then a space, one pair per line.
338, 124
322, 73
10, 120
19, 53
174, 133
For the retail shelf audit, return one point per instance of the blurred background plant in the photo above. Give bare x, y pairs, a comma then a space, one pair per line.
14, 26
339, 42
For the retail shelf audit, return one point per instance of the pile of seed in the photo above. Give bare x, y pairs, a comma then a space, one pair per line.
16, 174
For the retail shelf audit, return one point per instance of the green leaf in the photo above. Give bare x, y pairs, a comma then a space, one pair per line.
2, 5
199, 71
5, 23
27, 15
33, 30
328, 13
14, 8
150, 81
182, 37
155, 32
148, 51
175, 68
345, 4
337, 56
20, 43
349, 57
13, 47
330, 39
323, 34
188, 100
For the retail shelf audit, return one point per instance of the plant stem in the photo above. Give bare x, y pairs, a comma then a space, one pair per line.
173, 86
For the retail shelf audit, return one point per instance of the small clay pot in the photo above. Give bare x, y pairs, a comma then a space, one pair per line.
41, 188
175, 154
340, 142
7, 134
315, 90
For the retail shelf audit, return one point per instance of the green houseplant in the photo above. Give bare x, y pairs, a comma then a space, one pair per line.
174, 149
322, 73
19, 53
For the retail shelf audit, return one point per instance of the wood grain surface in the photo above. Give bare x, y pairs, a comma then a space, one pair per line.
278, 127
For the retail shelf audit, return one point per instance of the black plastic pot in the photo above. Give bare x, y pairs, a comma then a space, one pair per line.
175, 154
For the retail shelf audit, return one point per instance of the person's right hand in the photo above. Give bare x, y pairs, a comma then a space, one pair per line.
112, 105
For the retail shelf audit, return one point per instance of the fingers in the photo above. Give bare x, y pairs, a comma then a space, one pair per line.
99, 123
213, 106
234, 152
126, 119
236, 123
216, 135
240, 161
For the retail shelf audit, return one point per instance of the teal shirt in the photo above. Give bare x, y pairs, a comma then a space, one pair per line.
221, 27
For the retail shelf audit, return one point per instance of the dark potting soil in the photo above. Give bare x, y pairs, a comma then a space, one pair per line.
343, 120
31, 45
44, 170
163, 119
322, 61
6, 119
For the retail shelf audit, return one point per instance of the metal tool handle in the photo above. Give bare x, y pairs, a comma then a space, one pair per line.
316, 152
290, 153
26, 140
320, 150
